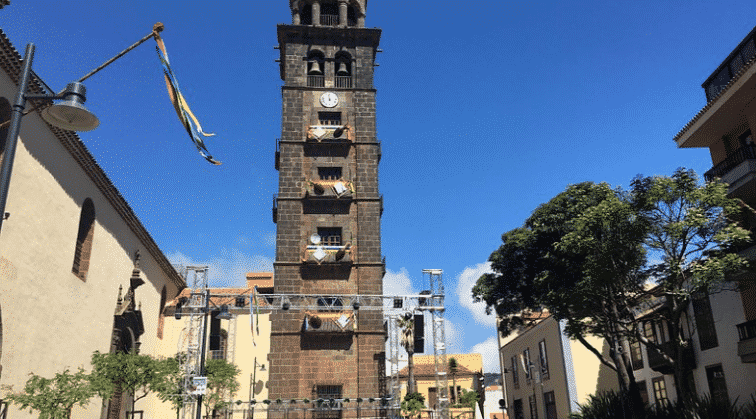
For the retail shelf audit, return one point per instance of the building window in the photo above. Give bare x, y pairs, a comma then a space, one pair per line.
533, 407
660, 390
161, 318
84, 238
649, 331
329, 118
515, 373
643, 391
549, 403
526, 358
707, 333
330, 236
717, 384
329, 173
328, 410
329, 14
519, 412
544, 360
315, 69
636, 355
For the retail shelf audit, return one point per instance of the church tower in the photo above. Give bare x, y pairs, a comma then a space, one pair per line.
328, 210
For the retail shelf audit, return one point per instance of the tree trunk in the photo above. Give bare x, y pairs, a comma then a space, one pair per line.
411, 373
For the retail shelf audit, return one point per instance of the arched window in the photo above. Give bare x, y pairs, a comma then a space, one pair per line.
161, 318
5, 116
84, 240
305, 14
351, 16
343, 75
315, 69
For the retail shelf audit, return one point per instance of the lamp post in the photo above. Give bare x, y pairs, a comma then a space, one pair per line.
252, 385
70, 114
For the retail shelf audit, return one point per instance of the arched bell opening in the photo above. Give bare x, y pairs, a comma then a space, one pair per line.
343, 73
316, 69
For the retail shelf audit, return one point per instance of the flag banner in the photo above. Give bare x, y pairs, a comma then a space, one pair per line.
190, 122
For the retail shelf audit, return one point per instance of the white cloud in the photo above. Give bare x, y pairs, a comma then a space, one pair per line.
489, 348
465, 282
229, 269
398, 283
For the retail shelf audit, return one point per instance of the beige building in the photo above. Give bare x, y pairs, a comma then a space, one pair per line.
243, 340
469, 377
725, 365
547, 375
78, 271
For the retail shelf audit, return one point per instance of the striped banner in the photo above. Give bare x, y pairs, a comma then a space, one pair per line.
179, 103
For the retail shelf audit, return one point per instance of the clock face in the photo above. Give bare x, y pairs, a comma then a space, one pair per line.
329, 99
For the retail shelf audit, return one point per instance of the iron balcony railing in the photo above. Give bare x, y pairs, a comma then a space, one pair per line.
344, 82
740, 155
315, 81
329, 20
747, 330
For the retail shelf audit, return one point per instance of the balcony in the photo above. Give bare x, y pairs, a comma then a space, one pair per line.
329, 322
329, 20
657, 363
737, 169
747, 342
320, 254
314, 80
343, 82
329, 189
330, 133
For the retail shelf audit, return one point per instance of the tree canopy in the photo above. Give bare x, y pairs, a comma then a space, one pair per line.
591, 253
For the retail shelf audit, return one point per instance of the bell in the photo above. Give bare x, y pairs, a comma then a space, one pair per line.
71, 113
315, 68
342, 70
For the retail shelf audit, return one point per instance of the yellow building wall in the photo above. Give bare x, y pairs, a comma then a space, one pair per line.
51, 319
249, 347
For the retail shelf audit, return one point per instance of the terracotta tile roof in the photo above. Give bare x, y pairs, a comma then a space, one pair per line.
468, 364
10, 62
715, 99
228, 295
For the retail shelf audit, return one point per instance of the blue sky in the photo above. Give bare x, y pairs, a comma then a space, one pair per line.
486, 109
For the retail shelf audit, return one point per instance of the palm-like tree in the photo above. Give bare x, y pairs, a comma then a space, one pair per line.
408, 342
453, 367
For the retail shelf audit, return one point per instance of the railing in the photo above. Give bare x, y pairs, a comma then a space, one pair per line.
657, 363
315, 81
740, 155
329, 20
747, 330
327, 254
218, 354
344, 82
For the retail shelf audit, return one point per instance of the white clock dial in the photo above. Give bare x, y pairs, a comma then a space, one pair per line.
329, 99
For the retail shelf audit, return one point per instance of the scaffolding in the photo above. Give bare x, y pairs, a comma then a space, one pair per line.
393, 308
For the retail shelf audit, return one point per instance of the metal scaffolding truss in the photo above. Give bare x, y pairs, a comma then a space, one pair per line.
393, 308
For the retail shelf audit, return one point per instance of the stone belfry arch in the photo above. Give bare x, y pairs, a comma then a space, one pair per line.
328, 210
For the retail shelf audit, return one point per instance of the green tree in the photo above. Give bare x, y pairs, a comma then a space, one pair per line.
469, 398
130, 372
54, 397
221, 384
413, 404
453, 368
580, 256
171, 388
693, 232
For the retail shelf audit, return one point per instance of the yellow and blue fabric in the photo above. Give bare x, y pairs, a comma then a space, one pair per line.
182, 108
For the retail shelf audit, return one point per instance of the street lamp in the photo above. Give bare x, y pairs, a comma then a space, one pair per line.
252, 385
70, 115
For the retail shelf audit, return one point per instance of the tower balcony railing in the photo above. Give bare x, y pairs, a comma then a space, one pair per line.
315, 80
747, 342
320, 254
721, 170
343, 82
329, 189
329, 20
657, 363
330, 133
330, 322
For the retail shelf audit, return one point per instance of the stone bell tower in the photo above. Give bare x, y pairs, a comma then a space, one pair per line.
328, 211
